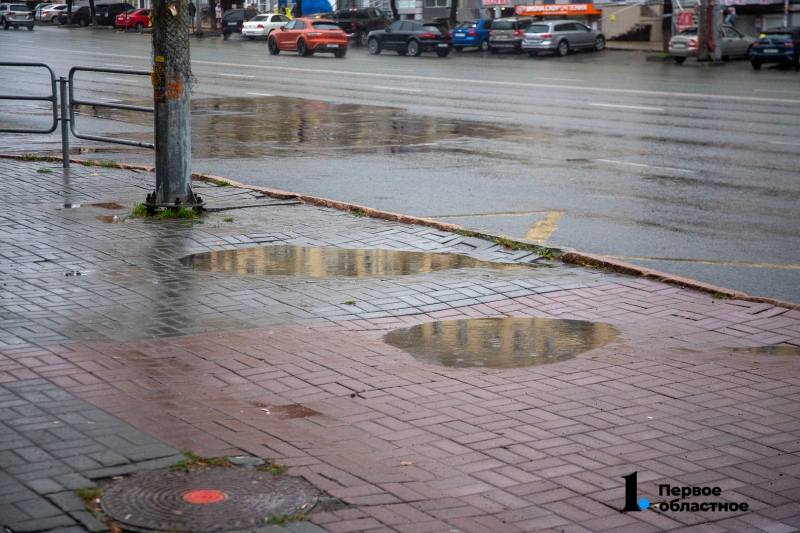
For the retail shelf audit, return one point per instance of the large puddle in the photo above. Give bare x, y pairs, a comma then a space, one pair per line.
236, 128
772, 349
501, 342
285, 260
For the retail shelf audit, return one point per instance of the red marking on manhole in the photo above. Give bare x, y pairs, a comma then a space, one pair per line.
203, 497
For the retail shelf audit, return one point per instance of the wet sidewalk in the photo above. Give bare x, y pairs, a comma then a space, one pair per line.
186, 335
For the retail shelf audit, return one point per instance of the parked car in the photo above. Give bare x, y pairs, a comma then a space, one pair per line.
474, 32
15, 15
506, 33
51, 13
307, 37
734, 43
358, 22
777, 45
81, 16
263, 25
107, 13
135, 18
561, 36
412, 37
37, 14
233, 20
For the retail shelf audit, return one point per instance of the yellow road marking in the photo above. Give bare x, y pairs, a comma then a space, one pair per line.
542, 229
708, 262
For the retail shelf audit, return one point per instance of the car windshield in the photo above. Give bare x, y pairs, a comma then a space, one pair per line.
326, 26
689, 32
503, 25
778, 36
538, 28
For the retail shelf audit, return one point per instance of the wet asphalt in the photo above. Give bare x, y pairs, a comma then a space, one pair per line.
689, 170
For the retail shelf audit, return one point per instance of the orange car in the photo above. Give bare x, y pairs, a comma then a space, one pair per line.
309, 36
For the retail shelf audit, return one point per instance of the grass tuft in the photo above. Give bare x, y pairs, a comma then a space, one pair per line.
222, 184
89, 163
165, 213
192, 459
284, 519
360, 213
88, 494
108, 164
227, 219
508, 243
722, 296
275, 469
349, 302
44, 171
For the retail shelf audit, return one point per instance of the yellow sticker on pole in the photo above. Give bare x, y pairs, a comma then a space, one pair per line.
173, 10
159, 59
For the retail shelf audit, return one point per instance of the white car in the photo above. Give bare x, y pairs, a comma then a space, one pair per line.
262, 25
50, 14
37, 14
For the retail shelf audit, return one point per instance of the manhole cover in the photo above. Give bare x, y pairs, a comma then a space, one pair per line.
333, 262
218, 499
501, 342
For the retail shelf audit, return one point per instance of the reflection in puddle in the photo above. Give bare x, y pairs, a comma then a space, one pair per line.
294, 410
236, 128
501, 342
286, 260
111, 219
774, 349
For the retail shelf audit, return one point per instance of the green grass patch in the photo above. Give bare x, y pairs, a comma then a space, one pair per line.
44, 171
164, 213
508, 243
349, 302
360, 213
222, 184
273, 468
192, 460
32, 157
284, 519
89, 163
108, 164
722, 296
227, 219
88, 494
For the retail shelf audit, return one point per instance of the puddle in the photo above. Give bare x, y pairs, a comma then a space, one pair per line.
294, 410
107, 205
233, 128
287, 260
501, 342
773, 349
111, 219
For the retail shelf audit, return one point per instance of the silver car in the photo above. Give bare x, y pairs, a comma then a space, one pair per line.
561, 36
15, 15
734, 43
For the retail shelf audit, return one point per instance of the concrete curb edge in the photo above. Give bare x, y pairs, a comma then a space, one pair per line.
573, 257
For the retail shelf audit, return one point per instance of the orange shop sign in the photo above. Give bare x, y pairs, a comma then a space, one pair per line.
558, 10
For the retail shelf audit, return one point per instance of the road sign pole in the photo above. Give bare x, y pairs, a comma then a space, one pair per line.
172, 78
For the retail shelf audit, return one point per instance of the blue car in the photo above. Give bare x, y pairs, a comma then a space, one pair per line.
473, 32
777, 45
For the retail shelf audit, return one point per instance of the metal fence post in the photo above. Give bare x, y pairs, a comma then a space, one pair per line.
172, 80
62, 81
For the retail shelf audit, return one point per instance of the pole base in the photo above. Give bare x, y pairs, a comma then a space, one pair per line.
151, 204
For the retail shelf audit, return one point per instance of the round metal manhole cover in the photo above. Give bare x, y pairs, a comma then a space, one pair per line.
217, 499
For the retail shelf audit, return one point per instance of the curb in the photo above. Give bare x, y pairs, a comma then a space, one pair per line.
613, 265
572, 257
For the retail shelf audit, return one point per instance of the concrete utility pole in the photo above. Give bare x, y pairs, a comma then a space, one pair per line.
709, 31
198, 16
702, 32
172, 79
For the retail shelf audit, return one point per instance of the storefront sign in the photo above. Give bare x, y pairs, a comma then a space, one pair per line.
685, 20
557, 10
496, 2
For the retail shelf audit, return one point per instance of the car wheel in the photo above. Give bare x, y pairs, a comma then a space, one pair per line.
756, 65
251, 37
599, 44
54, 20
139, 26
679, 60
225, 35
340, 53
413, 48
4, 23
533, 53
458, 48
302, 49
484, 45
374, 46
30, 28
362, 38
749, 53
443, 53
81, 23
563, 48
272, 46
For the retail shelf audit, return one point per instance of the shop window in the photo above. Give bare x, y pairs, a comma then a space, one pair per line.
437, 3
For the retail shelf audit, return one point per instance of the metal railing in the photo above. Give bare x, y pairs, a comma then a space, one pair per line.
73, 103
52, 97
69, 103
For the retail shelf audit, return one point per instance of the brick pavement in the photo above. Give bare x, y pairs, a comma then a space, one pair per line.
195, 358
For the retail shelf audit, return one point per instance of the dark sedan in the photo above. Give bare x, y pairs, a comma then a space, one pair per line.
777, 45
411, 37
82, 17
233, 20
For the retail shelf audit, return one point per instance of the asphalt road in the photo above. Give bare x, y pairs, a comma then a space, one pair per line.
689, 170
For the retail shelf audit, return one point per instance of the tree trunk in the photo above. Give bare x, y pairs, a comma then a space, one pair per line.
393, 6
666, 25
299, 6
453, 13
69, 12
93, 12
